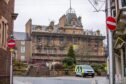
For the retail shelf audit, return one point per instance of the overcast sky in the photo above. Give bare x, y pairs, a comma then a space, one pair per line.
43, 11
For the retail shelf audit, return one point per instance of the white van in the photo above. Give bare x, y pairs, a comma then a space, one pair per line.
84, 70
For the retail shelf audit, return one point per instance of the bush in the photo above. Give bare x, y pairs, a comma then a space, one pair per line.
69, 61
99, 68
58, 66
19, 65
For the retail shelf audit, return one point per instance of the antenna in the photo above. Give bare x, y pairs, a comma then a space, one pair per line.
70, 10
70, 4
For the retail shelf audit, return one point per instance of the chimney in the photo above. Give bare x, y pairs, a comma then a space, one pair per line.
98, 32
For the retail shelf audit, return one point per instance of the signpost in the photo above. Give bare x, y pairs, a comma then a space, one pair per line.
11, 44
111, 25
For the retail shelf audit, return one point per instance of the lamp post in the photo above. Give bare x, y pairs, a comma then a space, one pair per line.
111, 25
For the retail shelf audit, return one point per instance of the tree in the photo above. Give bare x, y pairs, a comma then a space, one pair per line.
71, 54
70, 60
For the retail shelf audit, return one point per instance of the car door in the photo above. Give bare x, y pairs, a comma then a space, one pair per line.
80, 71
77, 70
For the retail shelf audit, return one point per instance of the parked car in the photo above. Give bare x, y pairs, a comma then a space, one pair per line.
84, 70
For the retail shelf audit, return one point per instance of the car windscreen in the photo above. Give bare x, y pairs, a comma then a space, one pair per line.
87, 67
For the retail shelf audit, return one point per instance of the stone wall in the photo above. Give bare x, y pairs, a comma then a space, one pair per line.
43, 71
62, 73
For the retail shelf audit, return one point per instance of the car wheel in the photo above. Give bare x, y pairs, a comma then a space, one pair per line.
84, 75
92, 75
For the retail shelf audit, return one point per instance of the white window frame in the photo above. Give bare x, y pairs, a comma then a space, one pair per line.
22, 58
120, 4
22, 49
22, 42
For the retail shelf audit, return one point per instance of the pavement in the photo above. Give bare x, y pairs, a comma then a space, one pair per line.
60, 80
100, 80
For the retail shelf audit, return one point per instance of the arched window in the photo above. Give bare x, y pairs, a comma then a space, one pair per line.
3, 32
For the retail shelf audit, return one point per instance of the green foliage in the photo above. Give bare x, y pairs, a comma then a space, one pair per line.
70, 60
71, 54
19, 65
99, 68
19, 68
11, 36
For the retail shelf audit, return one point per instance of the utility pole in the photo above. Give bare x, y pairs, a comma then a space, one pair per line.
11, 44
11, 67
110, 37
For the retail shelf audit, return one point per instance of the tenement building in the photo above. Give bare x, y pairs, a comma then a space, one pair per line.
22, 49
117, 9
51, 43
6, 28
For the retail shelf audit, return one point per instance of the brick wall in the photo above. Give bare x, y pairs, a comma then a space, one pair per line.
4, 63
6, 11
27, 52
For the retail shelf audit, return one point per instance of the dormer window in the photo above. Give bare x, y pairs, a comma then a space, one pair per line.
50, 29
38, 28
73, 22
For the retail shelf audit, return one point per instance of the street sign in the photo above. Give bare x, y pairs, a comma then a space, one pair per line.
11, 43
111, 23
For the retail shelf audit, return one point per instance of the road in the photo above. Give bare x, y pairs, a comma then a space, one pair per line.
60, 80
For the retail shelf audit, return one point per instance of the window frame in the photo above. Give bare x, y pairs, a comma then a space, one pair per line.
121, 5
23, 58
23, 49
22, 42
4, 34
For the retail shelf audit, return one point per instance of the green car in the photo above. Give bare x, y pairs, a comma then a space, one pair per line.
84, 70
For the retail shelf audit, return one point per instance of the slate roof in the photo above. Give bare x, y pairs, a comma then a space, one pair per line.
44, 28
20, 36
